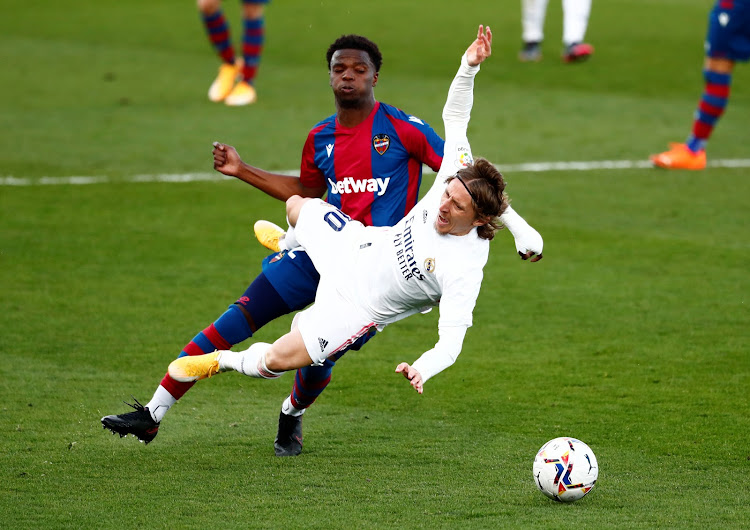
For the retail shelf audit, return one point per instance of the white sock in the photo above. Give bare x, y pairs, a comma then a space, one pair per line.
160, 403
290, 240
251, 362
575, 20
532, 20
289, 409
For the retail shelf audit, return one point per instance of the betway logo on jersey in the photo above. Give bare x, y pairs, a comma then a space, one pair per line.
350, 185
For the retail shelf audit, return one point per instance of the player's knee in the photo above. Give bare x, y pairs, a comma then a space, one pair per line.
208, 7
274, 361
288, 353
719, 65
282, 361
252, 10
293, 207
315, 376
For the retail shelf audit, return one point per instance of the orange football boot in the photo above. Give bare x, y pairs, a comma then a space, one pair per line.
194, 367
243, 93
680, 157
224, 82
269, 234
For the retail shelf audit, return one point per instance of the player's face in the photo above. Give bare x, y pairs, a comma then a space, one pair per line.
456, 215
352, 78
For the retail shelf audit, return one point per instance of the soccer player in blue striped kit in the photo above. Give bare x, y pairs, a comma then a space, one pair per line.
368, 157
727, 41
235, 82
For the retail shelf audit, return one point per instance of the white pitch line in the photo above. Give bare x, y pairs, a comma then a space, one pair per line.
535, 167
528, 167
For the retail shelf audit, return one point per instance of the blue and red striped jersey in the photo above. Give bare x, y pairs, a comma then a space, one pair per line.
372, 171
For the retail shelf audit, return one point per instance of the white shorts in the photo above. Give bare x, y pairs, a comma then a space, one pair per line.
330, 325
331, 239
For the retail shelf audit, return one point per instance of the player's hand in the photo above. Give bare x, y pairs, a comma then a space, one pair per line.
412, 375
529, 244
481, 48
226, 159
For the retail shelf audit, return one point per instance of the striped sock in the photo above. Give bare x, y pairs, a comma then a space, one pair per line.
711, 107
252, 47
229, 329
309, 383
218, 33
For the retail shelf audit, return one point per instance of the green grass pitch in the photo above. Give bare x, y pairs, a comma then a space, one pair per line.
631, 334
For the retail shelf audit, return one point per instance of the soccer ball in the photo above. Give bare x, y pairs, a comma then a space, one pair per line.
565, 469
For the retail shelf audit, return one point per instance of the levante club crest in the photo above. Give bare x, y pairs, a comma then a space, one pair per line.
381, 143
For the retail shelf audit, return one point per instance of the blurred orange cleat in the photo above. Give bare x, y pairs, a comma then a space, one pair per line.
269, 234
243, 93
680, 157
224, 82
191, 368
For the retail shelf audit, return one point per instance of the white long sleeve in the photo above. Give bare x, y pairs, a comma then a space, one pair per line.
456, 116
443, 355
457, 109
457, 154
525, 236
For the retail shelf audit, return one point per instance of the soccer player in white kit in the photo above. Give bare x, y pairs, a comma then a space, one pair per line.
374, 276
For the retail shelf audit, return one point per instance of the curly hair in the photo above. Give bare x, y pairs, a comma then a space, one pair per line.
487, 187
356, 42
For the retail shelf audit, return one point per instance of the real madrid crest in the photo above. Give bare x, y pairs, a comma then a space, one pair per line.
381, 143
429, 265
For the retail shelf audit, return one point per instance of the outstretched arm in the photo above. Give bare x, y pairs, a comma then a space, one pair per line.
434, 361
278, 186
457, 110
529, 242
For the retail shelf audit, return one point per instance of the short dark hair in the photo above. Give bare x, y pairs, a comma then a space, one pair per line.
356, 42
486, 186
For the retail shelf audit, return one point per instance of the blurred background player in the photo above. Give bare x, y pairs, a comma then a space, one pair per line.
727, 41
575, 22
234, 84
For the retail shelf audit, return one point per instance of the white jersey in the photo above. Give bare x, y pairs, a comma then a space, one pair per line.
384, 274
409, 267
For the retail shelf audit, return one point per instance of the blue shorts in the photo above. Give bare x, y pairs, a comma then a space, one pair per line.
728, 35
294, 277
